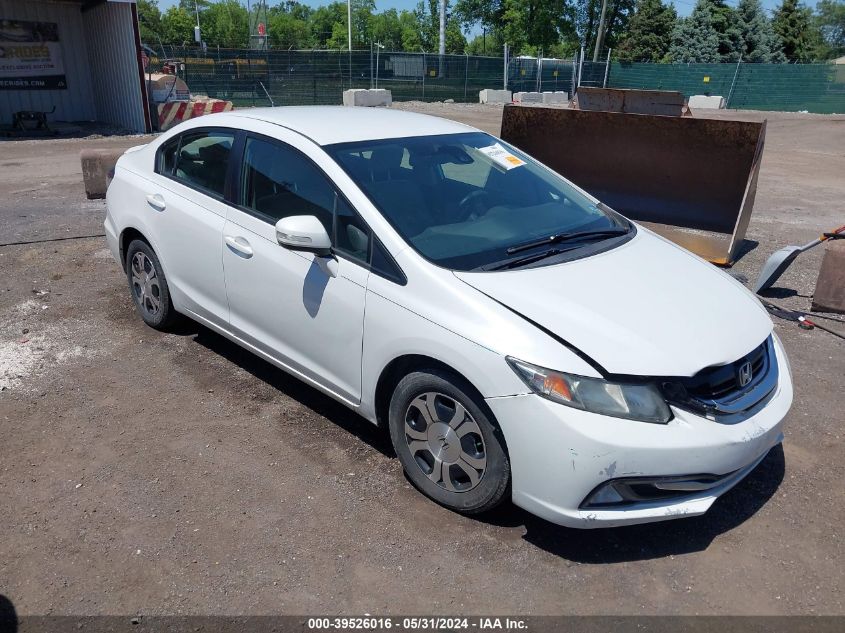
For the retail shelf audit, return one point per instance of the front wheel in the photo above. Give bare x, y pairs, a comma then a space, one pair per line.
448, 442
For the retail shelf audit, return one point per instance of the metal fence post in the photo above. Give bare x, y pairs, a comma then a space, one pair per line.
425, 72
574, 70
540, 71
505, 75
313, 77
733, 84
606, 69
580, 69
466, 73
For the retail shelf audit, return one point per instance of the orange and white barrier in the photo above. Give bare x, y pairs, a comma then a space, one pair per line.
170, 114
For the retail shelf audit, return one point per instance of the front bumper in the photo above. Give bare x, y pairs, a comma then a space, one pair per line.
559, 455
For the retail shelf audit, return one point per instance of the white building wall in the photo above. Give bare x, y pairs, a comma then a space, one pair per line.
76, 103
112, 52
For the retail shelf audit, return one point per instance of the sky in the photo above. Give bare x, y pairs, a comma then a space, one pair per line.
684, 7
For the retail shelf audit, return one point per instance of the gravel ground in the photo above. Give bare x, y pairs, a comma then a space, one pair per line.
150, 473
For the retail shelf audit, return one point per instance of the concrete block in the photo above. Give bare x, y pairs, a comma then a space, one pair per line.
705, 102
528, 97
97, 166
561, 97
830, 286
367, 98
488, 95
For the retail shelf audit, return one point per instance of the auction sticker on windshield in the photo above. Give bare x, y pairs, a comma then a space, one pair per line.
501, 156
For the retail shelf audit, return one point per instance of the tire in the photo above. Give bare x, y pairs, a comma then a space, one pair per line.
148, 286
436, 420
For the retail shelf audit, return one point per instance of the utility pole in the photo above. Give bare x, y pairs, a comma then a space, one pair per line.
600, 34
197, 36
349, 23
442, 49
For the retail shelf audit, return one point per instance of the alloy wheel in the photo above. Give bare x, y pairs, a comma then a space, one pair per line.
445, 441
145, 286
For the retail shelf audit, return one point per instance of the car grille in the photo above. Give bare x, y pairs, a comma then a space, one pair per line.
718, 393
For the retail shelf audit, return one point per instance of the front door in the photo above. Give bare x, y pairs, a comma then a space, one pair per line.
307, 312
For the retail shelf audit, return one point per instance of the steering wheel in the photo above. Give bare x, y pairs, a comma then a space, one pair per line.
472, 205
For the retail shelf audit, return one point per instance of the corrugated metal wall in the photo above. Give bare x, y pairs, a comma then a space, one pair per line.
116, 83
99, 56
76, 102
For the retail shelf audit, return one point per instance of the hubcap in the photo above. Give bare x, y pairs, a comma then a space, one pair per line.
445, 442
145, 286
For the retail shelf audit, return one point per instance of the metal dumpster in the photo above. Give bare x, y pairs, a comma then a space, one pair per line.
690, 180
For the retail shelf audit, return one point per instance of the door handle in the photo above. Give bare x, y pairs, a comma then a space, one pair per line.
239, 245
156, 201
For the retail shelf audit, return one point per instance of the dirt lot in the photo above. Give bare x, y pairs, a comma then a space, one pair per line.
156, 473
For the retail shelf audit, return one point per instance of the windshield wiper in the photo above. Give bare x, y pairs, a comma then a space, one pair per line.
565, 237
521, 261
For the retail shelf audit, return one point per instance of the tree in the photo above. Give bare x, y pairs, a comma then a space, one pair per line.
177, 27
288, 25
727, 25
323, 20
695, 39
587, 16
427, 15
488, 44
528, 26
649, 33
793, 25
538, 24
225, 23
149, 22
830, 23
759, 42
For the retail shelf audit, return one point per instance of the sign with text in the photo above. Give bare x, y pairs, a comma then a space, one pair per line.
30, 56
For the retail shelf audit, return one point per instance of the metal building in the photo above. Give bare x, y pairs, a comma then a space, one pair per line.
81, 57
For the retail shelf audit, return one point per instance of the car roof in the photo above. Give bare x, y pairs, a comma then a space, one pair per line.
326, 125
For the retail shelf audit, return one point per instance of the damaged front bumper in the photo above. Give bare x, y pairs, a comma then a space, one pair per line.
584, 470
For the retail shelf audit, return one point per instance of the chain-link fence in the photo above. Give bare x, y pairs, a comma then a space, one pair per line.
279, 77
319, 77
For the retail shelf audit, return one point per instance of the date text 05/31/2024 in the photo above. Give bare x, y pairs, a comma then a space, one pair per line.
431, 623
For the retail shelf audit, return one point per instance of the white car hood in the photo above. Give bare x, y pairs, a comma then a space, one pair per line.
645, 308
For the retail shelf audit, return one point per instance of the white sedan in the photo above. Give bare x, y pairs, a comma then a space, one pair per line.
517, 337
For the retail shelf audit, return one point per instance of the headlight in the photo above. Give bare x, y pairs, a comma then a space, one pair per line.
621, 400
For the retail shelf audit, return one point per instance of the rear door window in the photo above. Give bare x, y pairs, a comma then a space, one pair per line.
202, 160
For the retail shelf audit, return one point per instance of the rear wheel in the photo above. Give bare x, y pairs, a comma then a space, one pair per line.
148, 286
448, 442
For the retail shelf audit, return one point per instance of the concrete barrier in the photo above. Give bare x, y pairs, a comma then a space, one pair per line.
174, 112
528, 97
367, 98
561, 97
488, 95
705, 102
97, 166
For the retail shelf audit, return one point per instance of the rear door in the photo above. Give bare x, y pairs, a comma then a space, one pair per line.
187, 198
306, 312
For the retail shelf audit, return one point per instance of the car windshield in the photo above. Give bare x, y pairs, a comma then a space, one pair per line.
470, 201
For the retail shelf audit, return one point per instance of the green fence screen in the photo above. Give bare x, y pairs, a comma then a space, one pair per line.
279, 77
788, 87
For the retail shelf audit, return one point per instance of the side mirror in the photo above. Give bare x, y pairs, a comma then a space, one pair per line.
303, 233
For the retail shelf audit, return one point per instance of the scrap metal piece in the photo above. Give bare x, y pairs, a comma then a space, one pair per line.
829, 295
661, 102
691, 180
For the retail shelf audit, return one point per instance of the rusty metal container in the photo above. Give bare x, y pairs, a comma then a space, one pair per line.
690, 180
